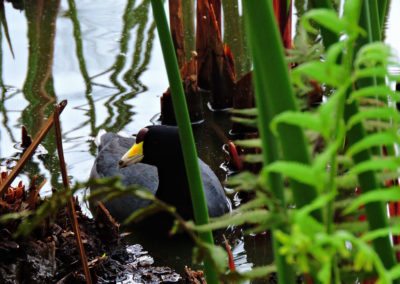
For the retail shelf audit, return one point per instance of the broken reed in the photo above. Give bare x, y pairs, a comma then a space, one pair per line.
185, 131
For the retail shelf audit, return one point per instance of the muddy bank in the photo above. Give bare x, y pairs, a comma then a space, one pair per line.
50, 255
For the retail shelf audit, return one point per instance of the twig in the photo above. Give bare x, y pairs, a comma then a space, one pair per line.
31, 149
71, 203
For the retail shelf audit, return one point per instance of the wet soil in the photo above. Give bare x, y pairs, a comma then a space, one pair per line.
50, 255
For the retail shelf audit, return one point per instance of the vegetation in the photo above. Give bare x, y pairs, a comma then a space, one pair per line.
309, 239
310, 243
329, 172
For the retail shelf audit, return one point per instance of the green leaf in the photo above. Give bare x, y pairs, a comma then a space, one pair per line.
303, 120
326, 18
377, 195
370, 72
249, 143
394, 273
8, 217
373, 54
246, 181
252, 122
334, 51
380, 91
249, 217
253, 158
246, 111
256, 203
319, 202
299, 172
259, 272
217, 255
373, 140
345, 161
378, 126
376, 165
321, 161
347, 181
351, 13
142, 213
319, 71
389, 114
369, 236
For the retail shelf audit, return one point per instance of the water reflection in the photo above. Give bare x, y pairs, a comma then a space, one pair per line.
111, 78
134, 18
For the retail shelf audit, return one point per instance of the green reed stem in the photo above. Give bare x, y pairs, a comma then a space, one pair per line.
328, 37
383, 8
274, 95
185, 131
274, 92
375, 211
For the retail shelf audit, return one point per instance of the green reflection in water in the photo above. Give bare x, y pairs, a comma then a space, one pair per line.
119, 111
3, 93
3, 21
134, 18
91, 111
38, 87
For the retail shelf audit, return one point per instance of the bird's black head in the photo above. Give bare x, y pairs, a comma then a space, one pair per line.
156, 145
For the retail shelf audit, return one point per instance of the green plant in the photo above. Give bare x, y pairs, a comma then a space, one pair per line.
331, 248
185, 131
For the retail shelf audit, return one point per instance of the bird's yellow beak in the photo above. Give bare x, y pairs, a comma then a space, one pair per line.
133, 156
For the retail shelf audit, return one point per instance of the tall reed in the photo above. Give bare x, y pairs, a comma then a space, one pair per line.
185, 131
274, 95
328, 37
376, 211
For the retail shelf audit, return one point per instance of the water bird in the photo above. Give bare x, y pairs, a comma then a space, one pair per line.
154, 160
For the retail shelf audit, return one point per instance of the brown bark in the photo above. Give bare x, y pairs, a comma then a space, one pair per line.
243, 98
177, 32
192, 94
216, 71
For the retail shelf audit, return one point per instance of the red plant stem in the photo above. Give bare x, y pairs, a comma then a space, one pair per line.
231, 261
235, 156
283, 14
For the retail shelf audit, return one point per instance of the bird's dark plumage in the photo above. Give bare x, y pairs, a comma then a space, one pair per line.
161, 170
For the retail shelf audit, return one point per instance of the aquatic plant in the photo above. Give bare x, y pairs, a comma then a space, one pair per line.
185, 131
321, 237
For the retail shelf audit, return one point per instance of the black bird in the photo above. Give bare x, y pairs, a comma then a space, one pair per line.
155, 161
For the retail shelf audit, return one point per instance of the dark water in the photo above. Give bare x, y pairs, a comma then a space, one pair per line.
104, 58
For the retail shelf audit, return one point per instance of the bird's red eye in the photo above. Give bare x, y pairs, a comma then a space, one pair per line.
141, 134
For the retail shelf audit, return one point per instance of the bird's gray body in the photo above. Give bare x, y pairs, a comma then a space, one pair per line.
111, 149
